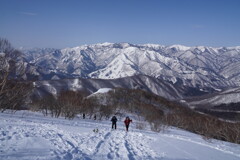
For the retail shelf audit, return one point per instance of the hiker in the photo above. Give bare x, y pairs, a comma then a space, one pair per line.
83, 115
127, 122
114, 122
95, 117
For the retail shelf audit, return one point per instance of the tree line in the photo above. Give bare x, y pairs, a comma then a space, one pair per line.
13, 89
157, 111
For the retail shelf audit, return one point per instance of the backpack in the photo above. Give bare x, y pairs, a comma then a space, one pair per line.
114, 119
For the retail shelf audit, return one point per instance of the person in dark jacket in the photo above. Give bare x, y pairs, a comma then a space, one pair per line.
114, 122
127, 122
83, 115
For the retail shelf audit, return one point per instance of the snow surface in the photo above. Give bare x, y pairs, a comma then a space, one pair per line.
180, 47
103, 90
31, 136
99, 92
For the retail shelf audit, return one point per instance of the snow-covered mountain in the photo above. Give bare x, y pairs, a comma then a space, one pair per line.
224, 97
199, 67
146, 83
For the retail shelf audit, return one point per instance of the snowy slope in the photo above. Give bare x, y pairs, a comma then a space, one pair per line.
26, 135
146, 83
223, 97
103, 90
193, 66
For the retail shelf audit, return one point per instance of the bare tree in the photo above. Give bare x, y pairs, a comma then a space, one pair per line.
71, 103
13, 91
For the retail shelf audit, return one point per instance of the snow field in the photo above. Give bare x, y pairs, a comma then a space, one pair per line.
31, 136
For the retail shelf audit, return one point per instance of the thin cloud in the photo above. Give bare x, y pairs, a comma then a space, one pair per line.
28, 13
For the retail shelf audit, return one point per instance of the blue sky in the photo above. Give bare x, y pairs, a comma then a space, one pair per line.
69, 23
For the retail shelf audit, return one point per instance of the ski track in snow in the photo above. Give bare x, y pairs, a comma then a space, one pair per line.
44, 138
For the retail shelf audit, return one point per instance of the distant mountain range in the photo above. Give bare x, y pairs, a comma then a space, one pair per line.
174, 72
200, 67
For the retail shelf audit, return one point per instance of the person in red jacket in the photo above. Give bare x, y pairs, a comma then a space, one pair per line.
127, 122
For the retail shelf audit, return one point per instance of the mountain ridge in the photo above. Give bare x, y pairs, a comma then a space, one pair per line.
142, 82
194, 66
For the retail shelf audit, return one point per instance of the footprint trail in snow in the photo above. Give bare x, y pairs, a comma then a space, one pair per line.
37, 137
